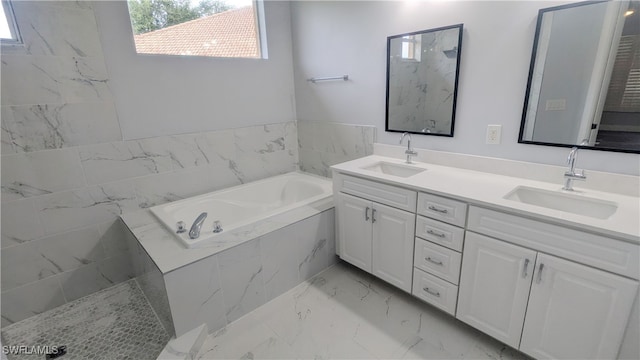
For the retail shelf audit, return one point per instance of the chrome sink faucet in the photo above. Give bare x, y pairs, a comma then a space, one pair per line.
194, 233
571, 174
410, 152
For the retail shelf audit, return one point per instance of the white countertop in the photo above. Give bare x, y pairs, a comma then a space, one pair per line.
488, 190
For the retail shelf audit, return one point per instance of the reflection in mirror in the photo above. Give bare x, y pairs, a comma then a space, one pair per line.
422, 79
584, 79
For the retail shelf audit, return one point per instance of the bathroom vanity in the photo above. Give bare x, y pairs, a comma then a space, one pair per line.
549, 272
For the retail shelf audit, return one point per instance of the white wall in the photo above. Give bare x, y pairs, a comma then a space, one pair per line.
335, 38
165, 95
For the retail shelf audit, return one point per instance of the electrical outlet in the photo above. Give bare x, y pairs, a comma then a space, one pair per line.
493, 134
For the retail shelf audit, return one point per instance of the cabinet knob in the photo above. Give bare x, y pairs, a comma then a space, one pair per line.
539, 273
524, 268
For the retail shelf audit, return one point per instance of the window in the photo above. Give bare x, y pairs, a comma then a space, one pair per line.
411, 47
8, 28
215, 28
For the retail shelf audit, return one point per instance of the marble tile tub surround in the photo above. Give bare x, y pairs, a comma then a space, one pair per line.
223, 287
322, 144
59, 207
596, 180
344, 313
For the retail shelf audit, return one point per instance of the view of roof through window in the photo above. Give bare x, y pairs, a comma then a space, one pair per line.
215, 28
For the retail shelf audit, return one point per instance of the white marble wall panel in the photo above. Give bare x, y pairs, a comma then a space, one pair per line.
230, 284
52, 30
20, 222
280, 261
242, 281
95, 277
251, 167
162, 188
32, 299
42, 127
48, 256
324, 144
40, 173
6, 118
150, 279
199, 304
113, 237
30, 80
120, 160
91, 205
84, 79
192, 150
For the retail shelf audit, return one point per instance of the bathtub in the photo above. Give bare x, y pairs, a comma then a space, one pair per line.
241, 206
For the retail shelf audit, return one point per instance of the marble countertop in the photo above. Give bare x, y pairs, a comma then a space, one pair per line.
488, 190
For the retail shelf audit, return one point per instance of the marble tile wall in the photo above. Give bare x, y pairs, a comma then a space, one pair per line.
322, 144
224, 287
67, 174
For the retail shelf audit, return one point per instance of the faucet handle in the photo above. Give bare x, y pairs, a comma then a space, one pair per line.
181, 227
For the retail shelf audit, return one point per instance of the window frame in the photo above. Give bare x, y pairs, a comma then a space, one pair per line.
13, 25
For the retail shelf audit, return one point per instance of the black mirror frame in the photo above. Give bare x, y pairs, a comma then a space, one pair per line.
455, 85
530, 79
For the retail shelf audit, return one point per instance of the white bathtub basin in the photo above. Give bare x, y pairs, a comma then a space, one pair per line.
243, 205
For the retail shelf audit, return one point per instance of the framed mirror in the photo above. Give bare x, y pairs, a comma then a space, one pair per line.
422, 80
584, 78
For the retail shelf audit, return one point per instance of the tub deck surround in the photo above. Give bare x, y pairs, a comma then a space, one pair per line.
238, 207
488, 190
169, 254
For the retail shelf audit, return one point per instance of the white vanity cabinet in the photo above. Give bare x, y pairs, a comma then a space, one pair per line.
373, 235
546, 306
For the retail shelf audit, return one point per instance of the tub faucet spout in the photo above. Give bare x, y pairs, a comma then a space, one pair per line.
194, 233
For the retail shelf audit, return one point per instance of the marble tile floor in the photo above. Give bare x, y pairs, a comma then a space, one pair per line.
114, 323
345, 313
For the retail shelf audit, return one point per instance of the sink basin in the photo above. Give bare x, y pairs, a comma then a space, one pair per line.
556, 200
394, 169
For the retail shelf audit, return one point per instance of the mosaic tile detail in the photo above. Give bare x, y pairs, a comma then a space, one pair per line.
115, 323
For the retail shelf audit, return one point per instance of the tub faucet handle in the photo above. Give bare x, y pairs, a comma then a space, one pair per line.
217, 227
181, 227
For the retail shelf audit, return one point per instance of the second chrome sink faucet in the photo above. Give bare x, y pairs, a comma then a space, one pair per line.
571, 174
410, 152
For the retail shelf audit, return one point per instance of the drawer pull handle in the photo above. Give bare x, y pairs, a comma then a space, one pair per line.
540, 273
442, 211
434, 233
524, 269
434, 293
366, 214
373, 215
437, 262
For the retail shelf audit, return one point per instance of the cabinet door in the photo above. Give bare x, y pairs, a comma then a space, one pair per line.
354, 230
393, 237
494, 287
576, 311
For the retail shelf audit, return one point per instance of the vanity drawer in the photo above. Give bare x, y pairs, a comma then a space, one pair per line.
437, 260
440, 233
435, 291
436, 207
381, 193
590, 249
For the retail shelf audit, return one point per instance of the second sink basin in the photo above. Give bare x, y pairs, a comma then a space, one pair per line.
556, 200
394, 169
